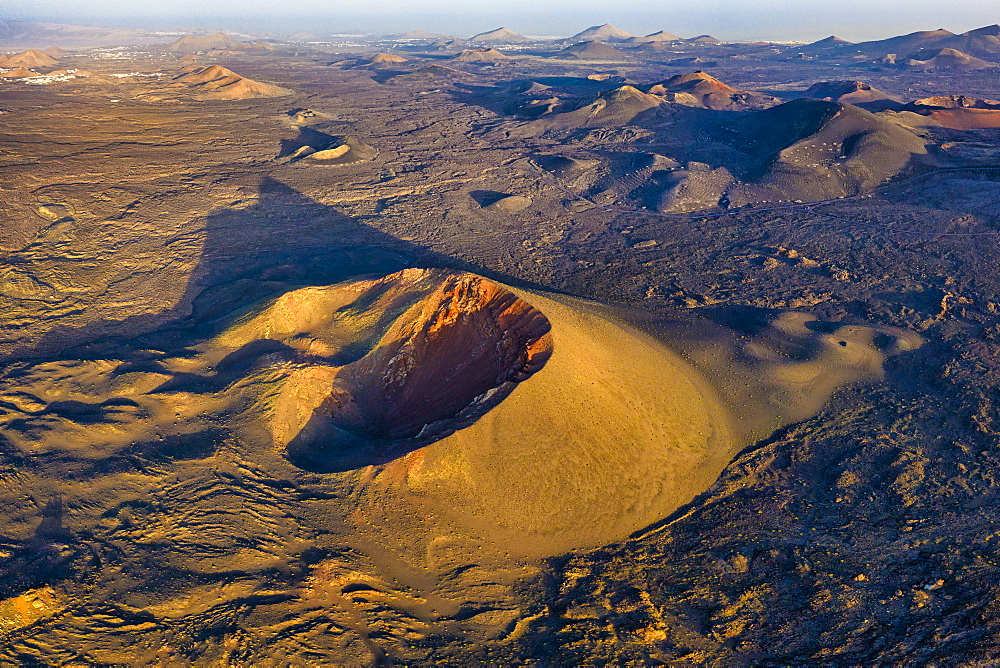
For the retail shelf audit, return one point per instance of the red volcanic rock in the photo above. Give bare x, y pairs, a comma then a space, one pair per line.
465, 339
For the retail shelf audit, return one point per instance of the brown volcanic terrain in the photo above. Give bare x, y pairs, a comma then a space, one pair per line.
460, 392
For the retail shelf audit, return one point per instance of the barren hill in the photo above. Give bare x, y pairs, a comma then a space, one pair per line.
616, 107
19, 73
602, 33
485, 378
958, 112
831, 42
592, 51
661, 36
55, 52
701, 89
218, 83
804, 150
192, 43
812, 150
386, 59
909, 43
848, 92
499, 36
982, 42
431, 72
481, 55
35, 34
30, 58
944, 59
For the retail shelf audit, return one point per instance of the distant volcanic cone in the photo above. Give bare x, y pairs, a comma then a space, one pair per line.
30, 58
218, 83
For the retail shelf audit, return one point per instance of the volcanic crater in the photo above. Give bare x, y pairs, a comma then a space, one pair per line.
394, 363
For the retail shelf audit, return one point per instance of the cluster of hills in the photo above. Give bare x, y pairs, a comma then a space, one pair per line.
922, 50
734, 147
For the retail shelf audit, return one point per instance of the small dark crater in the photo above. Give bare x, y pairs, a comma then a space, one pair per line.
356, 586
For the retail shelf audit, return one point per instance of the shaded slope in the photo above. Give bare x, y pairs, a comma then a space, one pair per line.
812, 150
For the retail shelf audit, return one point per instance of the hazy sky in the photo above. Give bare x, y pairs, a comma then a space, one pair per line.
726, 19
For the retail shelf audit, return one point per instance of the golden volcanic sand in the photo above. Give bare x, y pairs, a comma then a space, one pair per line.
612, 434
